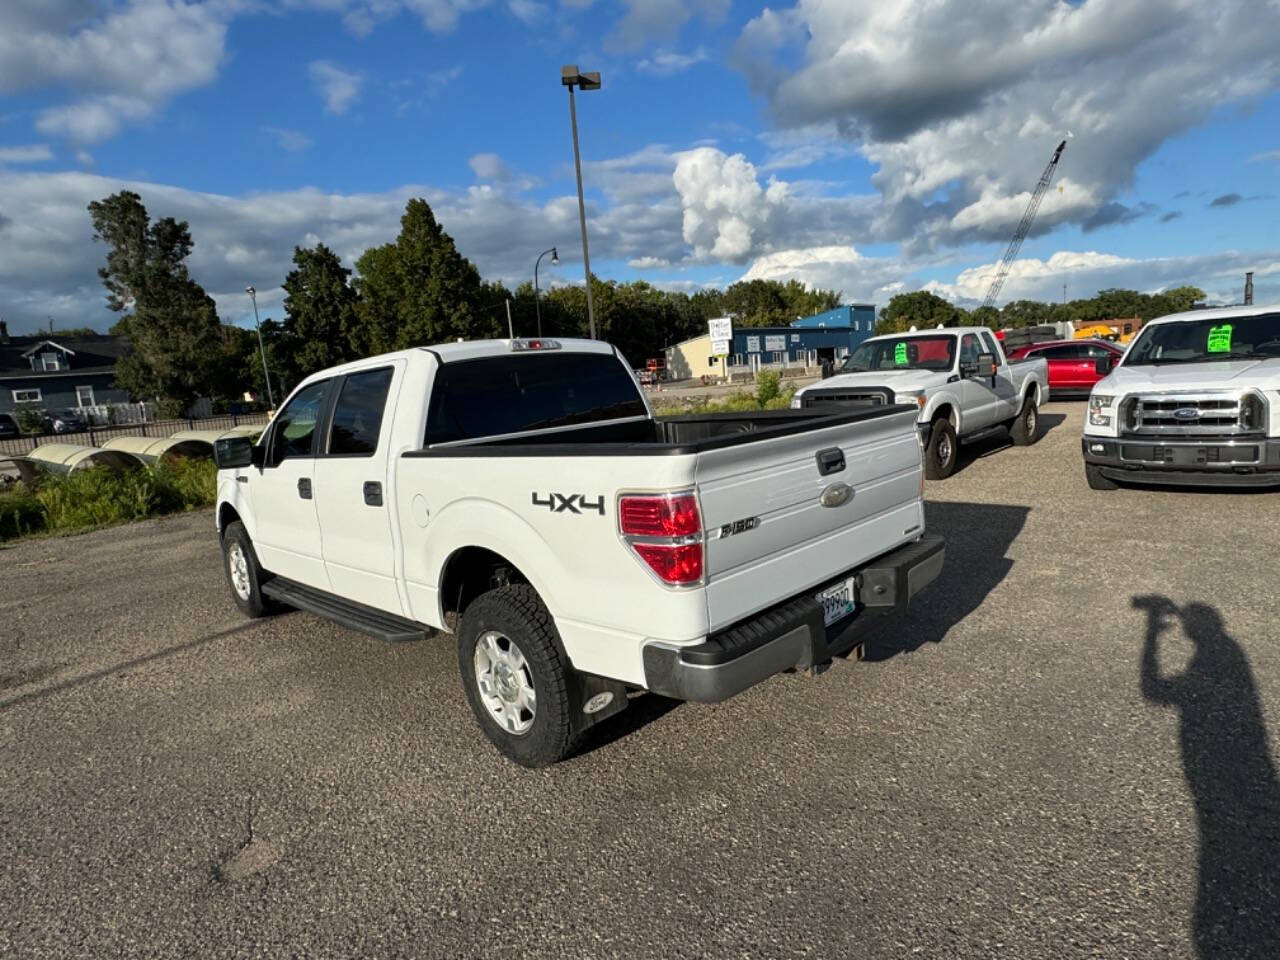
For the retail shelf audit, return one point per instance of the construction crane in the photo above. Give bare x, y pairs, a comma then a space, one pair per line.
1024, 225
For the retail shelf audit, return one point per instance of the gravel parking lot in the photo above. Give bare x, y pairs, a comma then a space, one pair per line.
1027, 765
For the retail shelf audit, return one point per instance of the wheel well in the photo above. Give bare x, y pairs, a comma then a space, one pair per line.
1033, 394
945, 412
470, 572
226, 515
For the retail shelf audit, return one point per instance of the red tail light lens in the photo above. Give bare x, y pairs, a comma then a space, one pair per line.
673, 564
665, 531
659, 516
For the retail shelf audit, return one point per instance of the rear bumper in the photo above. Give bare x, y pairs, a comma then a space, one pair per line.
791, 634
1202, 461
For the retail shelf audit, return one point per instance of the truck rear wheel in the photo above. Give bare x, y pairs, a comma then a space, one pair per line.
1026, 424
942, 450
516, 676
1097, 481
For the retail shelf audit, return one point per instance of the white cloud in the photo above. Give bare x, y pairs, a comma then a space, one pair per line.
338, 88
291, 140
124, 63
31, 153
84, 158
648, 263
725, 208
665, 63
858, 278
959, 103
489, 166
661, 20
527, 11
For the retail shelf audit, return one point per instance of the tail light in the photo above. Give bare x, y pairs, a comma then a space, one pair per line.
665, 531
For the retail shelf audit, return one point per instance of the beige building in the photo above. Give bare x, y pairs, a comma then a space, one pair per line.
693, 359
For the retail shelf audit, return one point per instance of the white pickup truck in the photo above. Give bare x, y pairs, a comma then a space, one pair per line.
1195, 400
521, 494
958, 377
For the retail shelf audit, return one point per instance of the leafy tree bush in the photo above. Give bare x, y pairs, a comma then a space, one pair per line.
767, 387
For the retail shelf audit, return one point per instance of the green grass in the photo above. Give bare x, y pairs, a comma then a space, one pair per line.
768, 396
99, 497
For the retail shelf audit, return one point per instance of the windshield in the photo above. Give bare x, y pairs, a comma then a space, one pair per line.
932, 352
1198, 341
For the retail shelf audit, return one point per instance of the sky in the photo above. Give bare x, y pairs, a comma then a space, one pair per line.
870, 146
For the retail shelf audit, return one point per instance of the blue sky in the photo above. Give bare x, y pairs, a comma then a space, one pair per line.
872, 146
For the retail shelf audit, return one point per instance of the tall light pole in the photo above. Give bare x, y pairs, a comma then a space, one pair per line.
537, 307
571, 77
253, 295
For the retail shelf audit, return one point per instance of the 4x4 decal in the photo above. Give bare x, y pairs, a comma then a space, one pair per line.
570, 503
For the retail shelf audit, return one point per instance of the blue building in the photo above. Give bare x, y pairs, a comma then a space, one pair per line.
858, 317
62, 374
808, 342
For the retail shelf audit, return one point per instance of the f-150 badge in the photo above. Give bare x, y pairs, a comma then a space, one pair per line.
738, 526
569, 503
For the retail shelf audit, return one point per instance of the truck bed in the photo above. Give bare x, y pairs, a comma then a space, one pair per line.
695, 433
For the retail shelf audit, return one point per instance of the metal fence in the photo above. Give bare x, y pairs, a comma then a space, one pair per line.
96, 436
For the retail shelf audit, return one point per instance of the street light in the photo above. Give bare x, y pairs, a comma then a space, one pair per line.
253, 295
571, 77
537, 307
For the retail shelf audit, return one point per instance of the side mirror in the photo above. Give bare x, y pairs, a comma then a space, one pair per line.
231, 453
1103, 365
986, 365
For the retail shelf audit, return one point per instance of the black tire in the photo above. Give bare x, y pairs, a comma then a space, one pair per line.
248, 596
516, 614
1026, 425
1093, 474
942, 450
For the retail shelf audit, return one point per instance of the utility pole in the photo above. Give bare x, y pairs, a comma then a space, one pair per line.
1248, 289
571, 77
510, 330
253, 295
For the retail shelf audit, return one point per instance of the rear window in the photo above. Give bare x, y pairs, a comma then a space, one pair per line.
531, 391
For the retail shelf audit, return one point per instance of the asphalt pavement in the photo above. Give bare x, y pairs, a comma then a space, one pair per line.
1027, 765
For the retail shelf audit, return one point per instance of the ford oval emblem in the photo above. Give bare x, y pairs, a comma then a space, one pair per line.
1186, 413
837, 495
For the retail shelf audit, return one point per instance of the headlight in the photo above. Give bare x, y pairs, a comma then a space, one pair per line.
796, 402
1098, 403
910, 396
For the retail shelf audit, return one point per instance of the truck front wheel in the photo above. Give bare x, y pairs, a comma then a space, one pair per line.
1093, 474
515, 675
244, 576
941, 452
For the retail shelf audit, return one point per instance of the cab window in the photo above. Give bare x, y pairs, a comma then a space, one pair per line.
293, 434
357, 416
989, 345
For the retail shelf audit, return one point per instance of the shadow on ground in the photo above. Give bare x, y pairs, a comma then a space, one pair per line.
978, 538
1226, 758
997, 443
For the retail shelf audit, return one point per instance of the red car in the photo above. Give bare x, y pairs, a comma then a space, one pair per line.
1073, 364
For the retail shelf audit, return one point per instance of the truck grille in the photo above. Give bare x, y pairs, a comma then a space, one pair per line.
872, 396
1199, 414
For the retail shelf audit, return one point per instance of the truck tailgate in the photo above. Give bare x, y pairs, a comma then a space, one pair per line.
769, 536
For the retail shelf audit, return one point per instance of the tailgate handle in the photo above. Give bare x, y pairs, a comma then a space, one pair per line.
830, 461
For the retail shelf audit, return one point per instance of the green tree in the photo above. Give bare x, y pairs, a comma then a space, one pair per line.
321, 325
419, 289
176, 338
919, 309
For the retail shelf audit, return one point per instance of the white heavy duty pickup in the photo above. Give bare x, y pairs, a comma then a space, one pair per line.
959, 379
522, 495
1195, 401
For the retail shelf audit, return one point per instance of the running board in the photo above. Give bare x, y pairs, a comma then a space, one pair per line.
348, 613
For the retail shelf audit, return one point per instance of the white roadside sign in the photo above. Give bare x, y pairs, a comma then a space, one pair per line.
721, 330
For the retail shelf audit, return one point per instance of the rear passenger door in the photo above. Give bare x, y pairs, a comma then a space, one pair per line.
352, 501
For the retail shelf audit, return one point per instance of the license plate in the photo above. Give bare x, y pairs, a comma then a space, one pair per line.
837, 602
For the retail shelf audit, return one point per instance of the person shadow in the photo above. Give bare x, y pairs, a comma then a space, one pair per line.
1226, 758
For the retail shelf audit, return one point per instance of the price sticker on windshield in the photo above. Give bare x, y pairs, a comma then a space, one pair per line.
900, 355
1219, 339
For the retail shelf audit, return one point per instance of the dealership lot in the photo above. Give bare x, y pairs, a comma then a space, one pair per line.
997, 779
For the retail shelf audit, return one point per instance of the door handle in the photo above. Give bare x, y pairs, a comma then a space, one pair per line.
373, 493
304, 488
